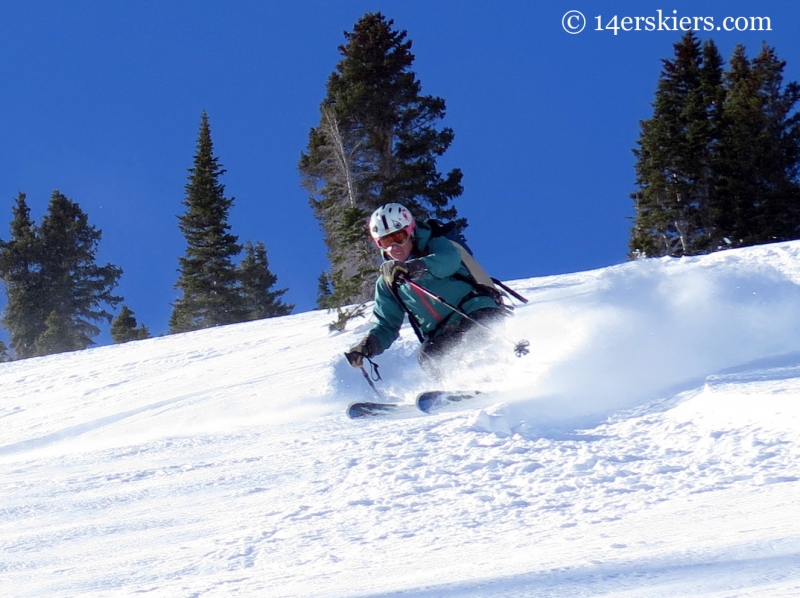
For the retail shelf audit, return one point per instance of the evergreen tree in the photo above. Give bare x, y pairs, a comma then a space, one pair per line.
74, 288
324, 291
759, 152
57, 337
674, 166
3, 352
56, 291
208, 276
123, 327
260, 301
718, 163
20, 269
377, 142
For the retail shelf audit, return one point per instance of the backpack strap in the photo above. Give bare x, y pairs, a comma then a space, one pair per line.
476, 271
478, 277
481, 281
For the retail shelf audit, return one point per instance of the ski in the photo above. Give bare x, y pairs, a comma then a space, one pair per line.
370, 409
435, 400
426, 402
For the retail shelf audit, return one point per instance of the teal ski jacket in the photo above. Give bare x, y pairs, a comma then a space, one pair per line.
442, 260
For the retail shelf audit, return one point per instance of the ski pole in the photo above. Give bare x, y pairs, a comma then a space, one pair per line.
368, 377
371, 383
520, 347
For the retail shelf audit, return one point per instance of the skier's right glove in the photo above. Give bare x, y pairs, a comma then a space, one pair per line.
393, 271
368, 347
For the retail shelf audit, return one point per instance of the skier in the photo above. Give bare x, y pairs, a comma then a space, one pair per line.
416, 261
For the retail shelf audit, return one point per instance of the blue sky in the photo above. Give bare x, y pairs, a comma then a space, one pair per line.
102, 100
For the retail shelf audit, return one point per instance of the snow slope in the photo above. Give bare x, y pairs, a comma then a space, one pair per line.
648, 446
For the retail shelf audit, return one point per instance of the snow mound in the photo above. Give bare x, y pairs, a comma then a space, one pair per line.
621, 337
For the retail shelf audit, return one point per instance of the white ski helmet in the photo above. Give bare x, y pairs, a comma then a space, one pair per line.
389, 219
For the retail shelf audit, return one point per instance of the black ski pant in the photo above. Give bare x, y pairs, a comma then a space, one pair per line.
435, 349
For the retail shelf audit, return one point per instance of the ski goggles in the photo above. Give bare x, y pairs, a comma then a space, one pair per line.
398, 237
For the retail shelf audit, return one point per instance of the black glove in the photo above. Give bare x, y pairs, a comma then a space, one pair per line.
393, 271
368, 347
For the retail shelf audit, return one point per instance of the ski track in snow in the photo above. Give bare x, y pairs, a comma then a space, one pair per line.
647, 447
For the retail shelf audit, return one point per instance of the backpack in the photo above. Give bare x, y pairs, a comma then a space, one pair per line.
478, 278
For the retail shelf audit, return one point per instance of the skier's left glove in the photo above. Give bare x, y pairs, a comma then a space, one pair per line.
394, 271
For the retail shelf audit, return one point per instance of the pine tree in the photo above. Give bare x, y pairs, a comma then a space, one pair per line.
124, 327
260, 301
759, 152
719, 161
674, 167
713, 92
208, 276
3, 352
57, 337
343, 154
20, 270
324, 291
376, 143
75, 289
56, 291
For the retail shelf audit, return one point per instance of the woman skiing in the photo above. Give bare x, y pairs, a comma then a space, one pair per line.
423, 276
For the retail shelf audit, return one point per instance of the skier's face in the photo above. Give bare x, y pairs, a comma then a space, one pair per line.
400, 251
